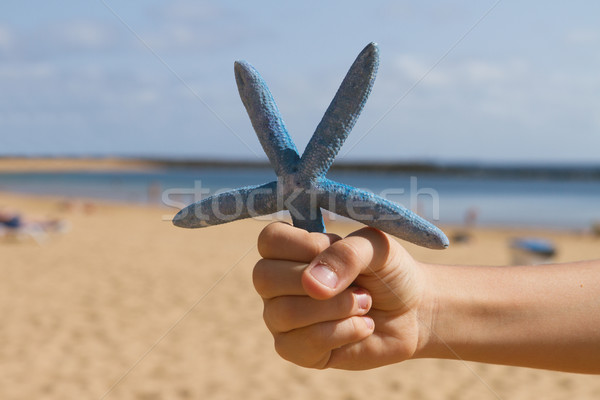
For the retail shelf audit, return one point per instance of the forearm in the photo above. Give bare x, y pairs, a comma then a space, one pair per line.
535, 316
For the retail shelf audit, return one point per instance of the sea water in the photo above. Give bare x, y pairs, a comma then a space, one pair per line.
441, 198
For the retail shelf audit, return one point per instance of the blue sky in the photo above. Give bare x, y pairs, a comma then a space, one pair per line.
522, 86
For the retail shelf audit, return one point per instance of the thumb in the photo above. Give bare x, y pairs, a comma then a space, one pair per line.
333, 270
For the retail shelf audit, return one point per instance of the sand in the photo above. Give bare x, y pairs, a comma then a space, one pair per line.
33, 164
125, 306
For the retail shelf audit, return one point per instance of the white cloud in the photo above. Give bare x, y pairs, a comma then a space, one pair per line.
415, 69
516, 104
466, 72
81, 35
56, 40
181, 37
479, 71
583, 36
192, 26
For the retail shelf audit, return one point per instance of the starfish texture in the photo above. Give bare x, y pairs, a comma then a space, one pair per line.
301, 186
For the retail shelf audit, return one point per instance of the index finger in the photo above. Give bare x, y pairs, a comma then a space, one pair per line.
282, 241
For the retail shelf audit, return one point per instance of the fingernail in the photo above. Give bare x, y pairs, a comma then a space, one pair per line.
370, 323
325, 275
362, 299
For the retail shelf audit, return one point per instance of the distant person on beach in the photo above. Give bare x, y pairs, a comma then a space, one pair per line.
364, 302
464, 235
10, 220
14, 221
471, 217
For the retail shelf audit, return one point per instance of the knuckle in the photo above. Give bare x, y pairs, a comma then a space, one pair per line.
267, 320
260, 278
320, 343
303, 348
267, 237
318, 242
291, 350
346, 254
278, 314
381, 242
281, 347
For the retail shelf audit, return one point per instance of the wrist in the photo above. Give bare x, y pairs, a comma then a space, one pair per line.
427, 313
457, 311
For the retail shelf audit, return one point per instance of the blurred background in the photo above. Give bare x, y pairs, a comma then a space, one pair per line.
496, 92
113, 115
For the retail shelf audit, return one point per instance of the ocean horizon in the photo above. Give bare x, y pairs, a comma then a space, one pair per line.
497, 196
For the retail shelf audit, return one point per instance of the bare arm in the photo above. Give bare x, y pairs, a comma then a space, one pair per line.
545, 316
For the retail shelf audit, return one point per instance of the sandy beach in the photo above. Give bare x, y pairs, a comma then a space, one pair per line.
33, 164
125, 306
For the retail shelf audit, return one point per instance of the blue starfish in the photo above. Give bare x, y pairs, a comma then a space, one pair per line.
301, 186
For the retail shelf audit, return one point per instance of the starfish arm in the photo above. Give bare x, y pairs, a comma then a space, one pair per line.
246, 202
266, 119
375, 211
340, 117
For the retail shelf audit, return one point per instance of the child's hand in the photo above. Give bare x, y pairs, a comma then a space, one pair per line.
363, 301
352, 303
